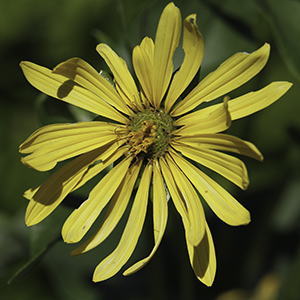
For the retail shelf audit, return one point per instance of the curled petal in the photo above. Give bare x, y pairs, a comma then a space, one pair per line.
203, 258
193, 46
218, 120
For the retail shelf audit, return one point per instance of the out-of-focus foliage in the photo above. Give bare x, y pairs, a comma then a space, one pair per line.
258, 262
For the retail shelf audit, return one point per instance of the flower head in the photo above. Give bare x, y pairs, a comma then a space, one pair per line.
152, 134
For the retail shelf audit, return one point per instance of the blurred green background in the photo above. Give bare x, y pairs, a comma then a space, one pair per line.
258, 262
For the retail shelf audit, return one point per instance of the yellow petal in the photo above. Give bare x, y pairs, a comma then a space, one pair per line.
124, 81
192, 202
218, 120
252, 102
231, 74
220, 201
82, 218
228, 166
82, 73
115, 261
142, 59
175, 194
52, 192
59, 87
245, 105
193, 46
223, 142
166, 41
115, 210
203, 258
54, 143
160, 216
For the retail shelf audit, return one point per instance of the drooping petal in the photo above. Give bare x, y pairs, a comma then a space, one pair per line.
228, 166
193, 46
123, 79
82, 218
115, 261
166, 41
192, 202
115, 210
59, 87
220, 201
52, 192
223, 142
203, 258
217, 121
84, 74
142, 59
231, 74
54, 143
160, 216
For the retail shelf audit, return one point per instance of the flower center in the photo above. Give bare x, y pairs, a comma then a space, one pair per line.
150, 133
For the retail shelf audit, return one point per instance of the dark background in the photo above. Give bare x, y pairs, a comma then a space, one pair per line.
258, 262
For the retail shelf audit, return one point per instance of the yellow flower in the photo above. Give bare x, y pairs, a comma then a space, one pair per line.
152, 135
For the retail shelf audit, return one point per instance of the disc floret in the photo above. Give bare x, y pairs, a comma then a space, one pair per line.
150, 133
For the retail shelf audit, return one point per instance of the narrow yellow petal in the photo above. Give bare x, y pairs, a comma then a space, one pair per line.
220, 201
115, 261
123, 79
223, 142
252, 102
82, 218
175, 194
218, 120
142, 59
115, 210
52, 192
84, 74
54, 143
244, 105
166, 41
231, 74
193, 46
192, 202
203, 258
160, 216
60, 87
228, 166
